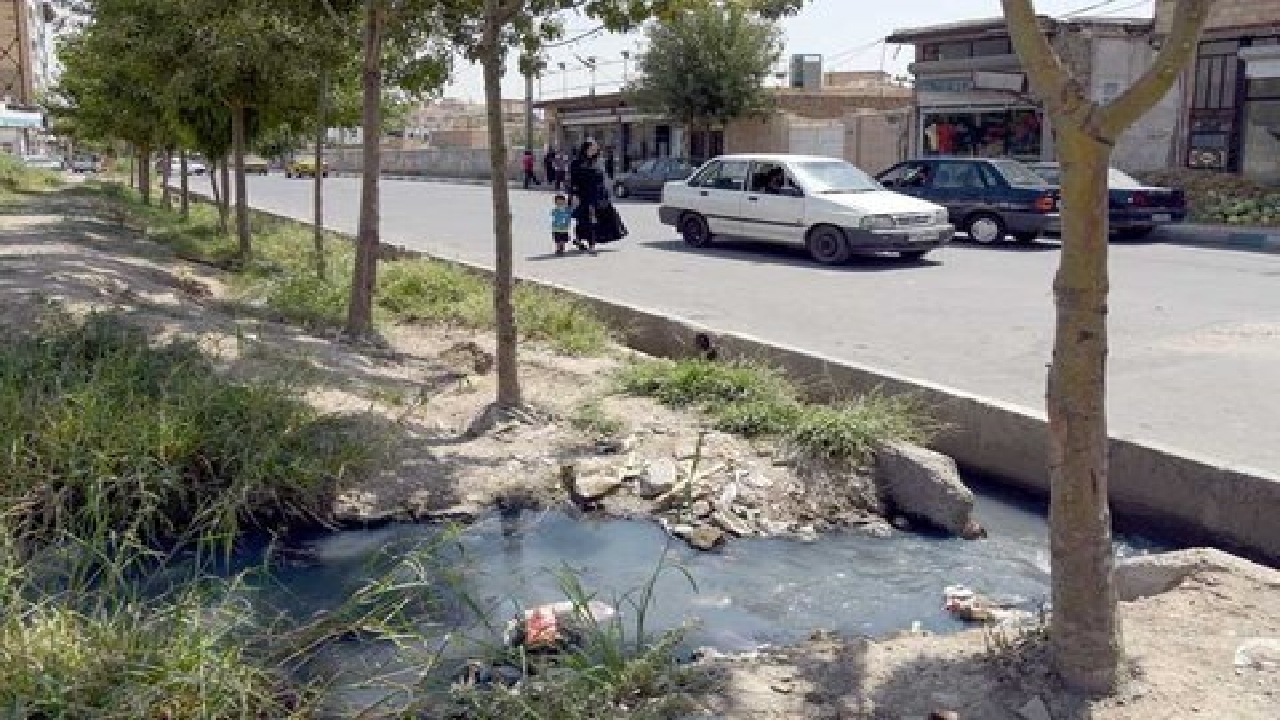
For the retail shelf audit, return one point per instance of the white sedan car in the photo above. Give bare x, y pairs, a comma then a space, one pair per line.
827, 205
194, 167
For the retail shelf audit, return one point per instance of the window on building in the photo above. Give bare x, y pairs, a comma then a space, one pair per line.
964, 49
927, 52
992, 47
955, 50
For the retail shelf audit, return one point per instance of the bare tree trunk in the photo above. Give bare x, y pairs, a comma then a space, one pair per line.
144, 173
224, 210
1085, 629
133, 171
166, 193
364, 275
241, 187
184, 196
509, 395
318, 222
218, 192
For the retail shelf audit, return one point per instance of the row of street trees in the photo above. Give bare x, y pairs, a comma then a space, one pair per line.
216, 76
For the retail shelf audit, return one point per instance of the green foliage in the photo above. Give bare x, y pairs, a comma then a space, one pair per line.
103, 431
757, 401
1223, 198
17, 177
708, 66
590, 418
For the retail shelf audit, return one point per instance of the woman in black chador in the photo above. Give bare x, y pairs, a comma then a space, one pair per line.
597, 220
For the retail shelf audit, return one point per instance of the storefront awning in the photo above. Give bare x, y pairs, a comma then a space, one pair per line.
1261, 61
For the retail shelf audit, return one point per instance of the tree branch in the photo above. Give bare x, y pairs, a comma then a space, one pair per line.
1060, 92
1188, 24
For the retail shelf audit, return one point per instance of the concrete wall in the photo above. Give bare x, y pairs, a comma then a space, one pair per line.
1224, 14
1117, 64
459, 163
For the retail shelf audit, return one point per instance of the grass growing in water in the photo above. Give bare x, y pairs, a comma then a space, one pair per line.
101, 432
282, 277
754, 400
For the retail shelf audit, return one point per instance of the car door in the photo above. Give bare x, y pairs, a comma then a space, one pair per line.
643, 181
655, 176
718, 195
959, 185
773, 214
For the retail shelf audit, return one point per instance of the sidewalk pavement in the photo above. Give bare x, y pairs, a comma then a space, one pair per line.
1230, 237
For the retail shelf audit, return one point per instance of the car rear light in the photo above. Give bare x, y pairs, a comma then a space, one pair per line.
1046, 204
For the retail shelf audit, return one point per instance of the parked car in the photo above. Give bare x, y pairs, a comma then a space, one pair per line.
647, 179
989, 199
256, 165
43, 162
85, 164
194, 167
828, 206
1135, 210
304, 168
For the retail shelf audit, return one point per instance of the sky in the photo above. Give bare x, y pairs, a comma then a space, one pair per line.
847, 33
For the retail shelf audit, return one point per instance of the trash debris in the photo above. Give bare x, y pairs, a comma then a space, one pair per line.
555, 627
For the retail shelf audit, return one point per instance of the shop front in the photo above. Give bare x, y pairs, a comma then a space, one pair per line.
965, 115
1234, 107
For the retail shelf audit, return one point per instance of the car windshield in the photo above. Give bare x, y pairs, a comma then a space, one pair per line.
833, 176
1121, 181
1015, 173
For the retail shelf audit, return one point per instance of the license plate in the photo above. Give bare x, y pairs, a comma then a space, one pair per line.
1162, 217
924, 237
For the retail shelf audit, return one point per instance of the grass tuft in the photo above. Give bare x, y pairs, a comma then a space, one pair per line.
754, 400
17, 177
591, 419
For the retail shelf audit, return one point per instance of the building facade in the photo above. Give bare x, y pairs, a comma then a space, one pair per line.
1231, 93
26, 71
972, 95
805, 119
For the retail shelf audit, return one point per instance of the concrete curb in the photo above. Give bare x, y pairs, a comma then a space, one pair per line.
1262, 240
1198, 500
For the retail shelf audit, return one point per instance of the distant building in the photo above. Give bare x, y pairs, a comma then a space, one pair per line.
26, 70
1232, 90
972, 95
802, 120
448, 124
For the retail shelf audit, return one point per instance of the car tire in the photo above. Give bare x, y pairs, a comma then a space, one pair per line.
620, 191
695, 230
914, 255
828, 245
1026, 238
985, 228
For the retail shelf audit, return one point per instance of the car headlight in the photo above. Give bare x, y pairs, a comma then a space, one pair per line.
941, 217
878, 222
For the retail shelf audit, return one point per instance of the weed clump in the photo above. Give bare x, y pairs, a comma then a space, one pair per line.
754, 400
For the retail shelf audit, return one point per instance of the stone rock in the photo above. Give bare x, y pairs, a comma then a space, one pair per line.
877, 529
705, 538
1259, 654
924, 484
1035, 710
659, 478
595, 488
469, 357
731, 524
700, 509
1148, 575
358, 508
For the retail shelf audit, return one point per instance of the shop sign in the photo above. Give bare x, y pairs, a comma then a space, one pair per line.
950, 84
1002, 81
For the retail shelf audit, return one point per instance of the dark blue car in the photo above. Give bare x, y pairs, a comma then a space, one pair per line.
1134, 210
989, 199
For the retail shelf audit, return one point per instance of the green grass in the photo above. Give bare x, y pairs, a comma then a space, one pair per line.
754, 400
421, 291
16, 177
591, 419
101, 431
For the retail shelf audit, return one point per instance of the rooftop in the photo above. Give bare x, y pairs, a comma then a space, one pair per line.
997, 26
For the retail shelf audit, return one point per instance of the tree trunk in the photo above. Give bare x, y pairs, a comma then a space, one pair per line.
364, 275
241, 187
1085, 628
321, 122
144, 174
217, 195
184, 198
509, 395
166, 194
224, 210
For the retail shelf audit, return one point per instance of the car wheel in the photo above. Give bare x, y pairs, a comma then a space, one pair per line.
985, 228
695, 231
828, 245
1026, 237
914, 255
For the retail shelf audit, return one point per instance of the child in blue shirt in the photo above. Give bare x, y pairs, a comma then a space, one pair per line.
561, 223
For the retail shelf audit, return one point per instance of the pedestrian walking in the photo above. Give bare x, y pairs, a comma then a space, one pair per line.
561, 222
549, 168
530, 177
598, 221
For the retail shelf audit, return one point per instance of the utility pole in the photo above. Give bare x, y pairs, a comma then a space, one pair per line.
528, 106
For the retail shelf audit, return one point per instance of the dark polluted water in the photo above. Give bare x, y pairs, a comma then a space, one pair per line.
753, 592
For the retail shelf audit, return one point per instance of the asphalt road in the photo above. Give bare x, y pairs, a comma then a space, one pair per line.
1195, 333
